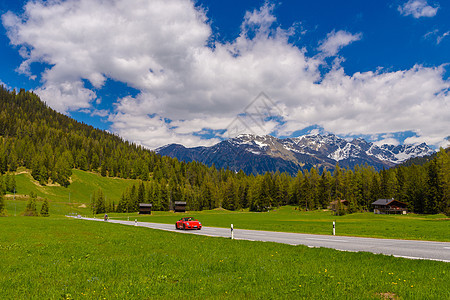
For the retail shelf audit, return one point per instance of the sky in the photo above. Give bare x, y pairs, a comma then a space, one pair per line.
196, 72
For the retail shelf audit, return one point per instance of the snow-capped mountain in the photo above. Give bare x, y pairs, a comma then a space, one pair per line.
258, 154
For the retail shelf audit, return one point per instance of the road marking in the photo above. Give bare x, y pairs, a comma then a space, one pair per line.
424, 258
326, 240
447, 248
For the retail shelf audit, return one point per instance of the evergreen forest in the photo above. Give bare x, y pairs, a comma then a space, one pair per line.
51, 144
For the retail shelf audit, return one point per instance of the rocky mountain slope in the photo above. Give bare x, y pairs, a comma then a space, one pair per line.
258, 154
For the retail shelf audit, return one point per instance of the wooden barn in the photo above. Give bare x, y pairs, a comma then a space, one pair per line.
145, 208
179, 206
389, 206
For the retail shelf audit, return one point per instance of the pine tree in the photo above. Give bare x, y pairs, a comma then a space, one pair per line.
229, 195
100, 203
30, 209
338, 183
141, 194
443, 164
433, 188
44, 208
63, 169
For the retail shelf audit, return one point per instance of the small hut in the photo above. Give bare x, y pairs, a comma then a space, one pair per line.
180, 206
389, 206
145, 208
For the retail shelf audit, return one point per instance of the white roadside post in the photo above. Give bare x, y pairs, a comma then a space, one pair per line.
334, 228
232, 235
135, 222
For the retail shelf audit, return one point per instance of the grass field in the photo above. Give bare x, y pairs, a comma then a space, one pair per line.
51, 258
288, 219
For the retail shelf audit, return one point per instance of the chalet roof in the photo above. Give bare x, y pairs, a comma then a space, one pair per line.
180, 203
145, 205
386, 202
382, 201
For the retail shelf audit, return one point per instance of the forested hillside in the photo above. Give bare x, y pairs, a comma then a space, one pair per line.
51, 145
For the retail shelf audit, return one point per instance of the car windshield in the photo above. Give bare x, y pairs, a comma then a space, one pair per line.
188, 219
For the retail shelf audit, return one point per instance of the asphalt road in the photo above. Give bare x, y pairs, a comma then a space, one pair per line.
439, 251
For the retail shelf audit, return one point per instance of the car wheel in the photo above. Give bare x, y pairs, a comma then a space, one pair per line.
176, 226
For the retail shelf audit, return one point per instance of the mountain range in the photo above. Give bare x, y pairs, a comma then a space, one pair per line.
256, 154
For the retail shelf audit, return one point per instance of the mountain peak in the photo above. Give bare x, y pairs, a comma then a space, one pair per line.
261, 153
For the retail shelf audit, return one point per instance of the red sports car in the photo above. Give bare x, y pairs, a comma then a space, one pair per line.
188, 223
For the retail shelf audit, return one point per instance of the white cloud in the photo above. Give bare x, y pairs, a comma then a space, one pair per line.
160, 48
418, 8
5, 85
100, 112
442, 36
66, 96
436, 35
335, 41
387, 139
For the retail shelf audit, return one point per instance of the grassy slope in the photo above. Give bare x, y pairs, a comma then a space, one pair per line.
68, 258
83, 185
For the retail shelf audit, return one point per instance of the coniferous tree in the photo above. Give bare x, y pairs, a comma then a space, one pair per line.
45, 208
63, 169
100, 203
433, 188
30, 209
338, 184
443, 164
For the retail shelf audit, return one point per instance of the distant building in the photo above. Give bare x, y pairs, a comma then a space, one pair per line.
180, 206
338, 204
145, 208
389, 206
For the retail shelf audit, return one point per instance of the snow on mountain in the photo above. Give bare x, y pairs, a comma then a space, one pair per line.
261, 153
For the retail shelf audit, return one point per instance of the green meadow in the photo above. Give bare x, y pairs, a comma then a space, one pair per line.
65, 258
56, 257
289, 219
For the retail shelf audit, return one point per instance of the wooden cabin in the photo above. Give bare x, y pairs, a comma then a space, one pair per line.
389, 206
145, 208
179, 206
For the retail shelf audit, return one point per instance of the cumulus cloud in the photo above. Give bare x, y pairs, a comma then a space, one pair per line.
387, 139
335, 41
191, 84
418, 8
66, 96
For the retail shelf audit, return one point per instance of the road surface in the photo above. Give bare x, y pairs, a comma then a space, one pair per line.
439, 251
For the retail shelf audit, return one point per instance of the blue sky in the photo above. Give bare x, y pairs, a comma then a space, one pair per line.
193, 72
